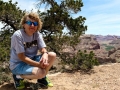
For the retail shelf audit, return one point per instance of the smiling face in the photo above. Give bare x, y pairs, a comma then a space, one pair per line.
30, 26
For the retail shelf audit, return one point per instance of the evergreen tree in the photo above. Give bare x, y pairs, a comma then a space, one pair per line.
10, 16
57, 17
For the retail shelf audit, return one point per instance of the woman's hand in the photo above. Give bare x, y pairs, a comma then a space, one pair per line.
44, 60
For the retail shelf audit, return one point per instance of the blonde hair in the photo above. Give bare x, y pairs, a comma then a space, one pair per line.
33, 16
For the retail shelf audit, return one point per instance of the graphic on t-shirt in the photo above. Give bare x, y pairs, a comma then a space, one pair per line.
30, 44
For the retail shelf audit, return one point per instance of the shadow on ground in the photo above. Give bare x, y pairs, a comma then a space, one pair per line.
28, 86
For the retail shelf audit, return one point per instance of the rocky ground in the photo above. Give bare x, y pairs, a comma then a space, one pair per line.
102, 77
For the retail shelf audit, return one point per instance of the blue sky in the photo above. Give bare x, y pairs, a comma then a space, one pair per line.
103, 16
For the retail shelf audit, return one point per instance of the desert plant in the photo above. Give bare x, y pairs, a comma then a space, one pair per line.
4, 78
4, 73
82, 61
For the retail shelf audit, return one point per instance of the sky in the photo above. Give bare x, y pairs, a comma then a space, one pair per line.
102, 16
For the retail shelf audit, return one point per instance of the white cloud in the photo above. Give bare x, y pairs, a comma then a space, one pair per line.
105, 5
27, 4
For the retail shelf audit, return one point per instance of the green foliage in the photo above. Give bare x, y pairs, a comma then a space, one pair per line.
5, 47
4, 78
57, 17
82, 61
108, 48
10, 15
4, 72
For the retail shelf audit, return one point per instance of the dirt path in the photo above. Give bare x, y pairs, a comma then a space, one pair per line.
105, 77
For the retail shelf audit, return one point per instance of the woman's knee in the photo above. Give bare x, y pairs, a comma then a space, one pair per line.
39, 73
52, 55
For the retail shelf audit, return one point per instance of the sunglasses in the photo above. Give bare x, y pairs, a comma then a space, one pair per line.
30, 23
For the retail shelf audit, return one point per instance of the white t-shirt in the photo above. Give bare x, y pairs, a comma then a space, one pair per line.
21, 42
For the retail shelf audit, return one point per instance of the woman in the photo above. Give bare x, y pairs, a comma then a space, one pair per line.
25, 43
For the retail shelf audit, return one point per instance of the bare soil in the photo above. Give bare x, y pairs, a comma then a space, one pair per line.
102, 77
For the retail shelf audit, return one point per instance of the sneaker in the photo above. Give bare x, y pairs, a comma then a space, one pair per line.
42, 83
50, 84
45, 82
18, 83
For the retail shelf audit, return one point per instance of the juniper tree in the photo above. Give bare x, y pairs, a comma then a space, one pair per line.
56, 19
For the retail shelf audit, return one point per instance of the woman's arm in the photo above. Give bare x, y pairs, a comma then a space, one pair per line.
28, 60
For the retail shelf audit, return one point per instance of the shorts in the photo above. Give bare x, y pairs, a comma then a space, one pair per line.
24, 68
